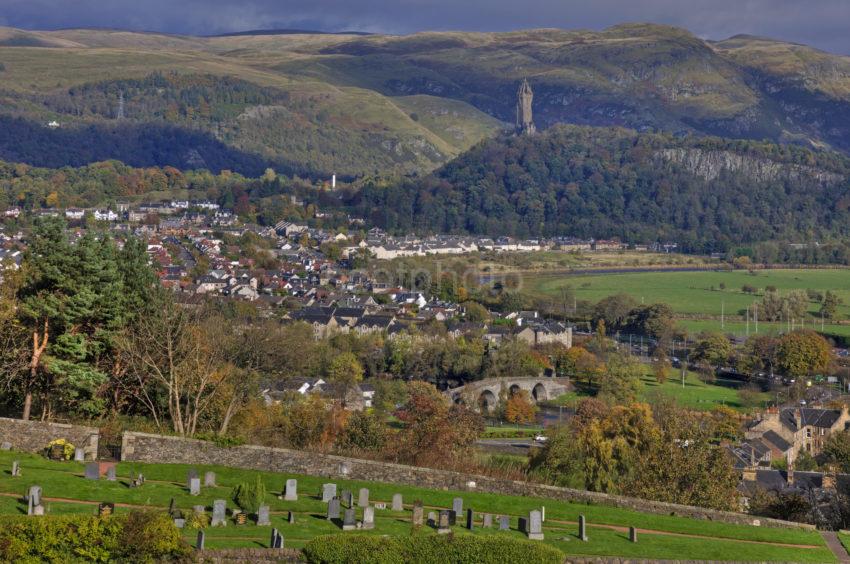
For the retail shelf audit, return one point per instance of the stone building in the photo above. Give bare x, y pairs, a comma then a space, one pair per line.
524, 122
786, 432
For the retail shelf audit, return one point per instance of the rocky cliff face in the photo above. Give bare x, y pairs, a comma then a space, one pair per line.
709, 165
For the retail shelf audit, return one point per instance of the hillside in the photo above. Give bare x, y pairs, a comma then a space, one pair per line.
705, 193
361, 104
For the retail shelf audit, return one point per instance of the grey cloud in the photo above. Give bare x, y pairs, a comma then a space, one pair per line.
820, 23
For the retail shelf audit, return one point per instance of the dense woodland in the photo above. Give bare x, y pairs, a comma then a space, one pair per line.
605, 182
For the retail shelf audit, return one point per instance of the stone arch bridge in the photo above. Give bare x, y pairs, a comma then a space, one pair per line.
485, 393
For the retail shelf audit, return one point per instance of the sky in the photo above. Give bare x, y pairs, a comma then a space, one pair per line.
820, 23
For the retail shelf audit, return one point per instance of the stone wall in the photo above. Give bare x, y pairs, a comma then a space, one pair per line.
33, 436
248, 556
143, 447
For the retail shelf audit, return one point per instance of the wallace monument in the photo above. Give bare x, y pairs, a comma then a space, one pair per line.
524, 123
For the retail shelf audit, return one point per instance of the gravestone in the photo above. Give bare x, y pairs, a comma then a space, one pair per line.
363, 497
209, 479
273, 539
38, 510
195, 486
543, 513
263, 516
241, 517
35, 495
92, 471
397, 503
16, 469
432, 519
328, 492
369, 518
5, 445
110, 474
105, 509
333, 509
522, 524
452, 518
457, 505
632, 534
347, 498
443, 522
199, 544
291, 518
219, 514
191, 475
418, 512
488, 521
582, 528
276, 540
470, 519
180, 522
504, 523
290, 493
349, 523
171, 507
535, 526
79, 455
138, 481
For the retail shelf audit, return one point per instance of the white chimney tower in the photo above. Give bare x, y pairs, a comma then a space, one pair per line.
333, 181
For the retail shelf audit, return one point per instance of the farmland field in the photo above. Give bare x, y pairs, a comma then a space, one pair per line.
66, 491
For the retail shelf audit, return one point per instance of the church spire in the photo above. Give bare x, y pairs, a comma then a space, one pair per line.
524, 122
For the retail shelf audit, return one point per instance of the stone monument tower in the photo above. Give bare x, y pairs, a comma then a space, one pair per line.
524, 123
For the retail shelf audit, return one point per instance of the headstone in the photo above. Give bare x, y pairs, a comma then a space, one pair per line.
582, 528
180, 523
535, 526
522, 524
29, 505
5, 445
380, 505
347, 498
290, 493
195, 486
418, 512
219, 515
369, 518
291, 518
432, 519
241, 517
504, 523
105, 509
543, 513
443, 522
16, 469
171, 507
209, 479
263, 516
632, 534
397, 503
190, 475
457, 505
79, 454
470, 519
349, 523
199, 544
273, 540
488, 521
92, 471
38, 510
328, 492
35, 495
452, 518
110, 474
333, 509
363, 498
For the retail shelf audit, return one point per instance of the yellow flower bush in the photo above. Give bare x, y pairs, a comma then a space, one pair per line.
67, 448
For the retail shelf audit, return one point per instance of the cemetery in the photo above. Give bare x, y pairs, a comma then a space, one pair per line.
288, 511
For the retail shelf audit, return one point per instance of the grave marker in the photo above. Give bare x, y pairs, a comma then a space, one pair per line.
632, 534
347, 498
195, 486
349, 522
333, 509
363, 497
209, 479
470, 519
582, 528
16, 469
488, 521
290, 493
443, 522
535, 526
457, 505
263, 516
79, 454
369, 518
418, 512
328, 492
110, 474
180, 522
380, 505
199, 544
432, 519
92, 471
219, 515
105, 509
397, 503
291, 518
35, 495
504, 523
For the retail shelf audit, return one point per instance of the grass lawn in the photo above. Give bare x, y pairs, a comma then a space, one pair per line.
64, 488
691, 292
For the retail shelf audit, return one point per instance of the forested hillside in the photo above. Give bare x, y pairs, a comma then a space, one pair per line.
704, 193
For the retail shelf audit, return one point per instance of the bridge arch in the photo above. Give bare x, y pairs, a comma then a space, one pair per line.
487, 401
539, 393
513, 389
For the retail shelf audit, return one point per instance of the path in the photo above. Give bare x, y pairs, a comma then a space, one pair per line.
836, 547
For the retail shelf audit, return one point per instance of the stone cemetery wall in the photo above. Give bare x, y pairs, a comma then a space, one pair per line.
33, 436
144, 447
248, 555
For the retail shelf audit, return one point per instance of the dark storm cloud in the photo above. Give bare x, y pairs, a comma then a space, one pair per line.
821, 23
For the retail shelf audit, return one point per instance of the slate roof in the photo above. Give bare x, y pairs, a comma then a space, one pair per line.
773, 438
820, 418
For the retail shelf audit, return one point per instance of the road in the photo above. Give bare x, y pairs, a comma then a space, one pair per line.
511, 446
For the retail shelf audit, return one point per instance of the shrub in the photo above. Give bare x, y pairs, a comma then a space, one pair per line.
67, 448
332, 549
249, 497
135, 537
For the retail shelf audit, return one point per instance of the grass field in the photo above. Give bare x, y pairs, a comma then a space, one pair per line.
66, 491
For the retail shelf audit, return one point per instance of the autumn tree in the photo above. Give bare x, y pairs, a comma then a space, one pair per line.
829, 306
712, 349
620, 381
802, 353
520, 408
